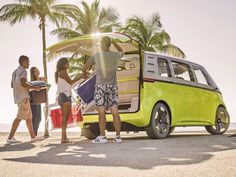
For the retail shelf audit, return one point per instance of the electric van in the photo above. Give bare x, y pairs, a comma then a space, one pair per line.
156, 92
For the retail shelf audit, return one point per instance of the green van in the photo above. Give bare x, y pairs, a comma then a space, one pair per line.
156, 92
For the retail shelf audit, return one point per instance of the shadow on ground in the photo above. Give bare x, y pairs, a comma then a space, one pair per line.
135, 152
17, 147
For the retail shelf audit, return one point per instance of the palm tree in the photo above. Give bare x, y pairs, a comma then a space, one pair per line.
43, 10
89, 20
76, 64
92, 18
150, 34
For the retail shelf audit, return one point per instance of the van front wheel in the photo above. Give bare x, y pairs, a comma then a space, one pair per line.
159, 125
222, 121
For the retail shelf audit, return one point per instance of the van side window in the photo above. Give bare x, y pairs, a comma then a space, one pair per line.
201, 78
163, 68
182, 71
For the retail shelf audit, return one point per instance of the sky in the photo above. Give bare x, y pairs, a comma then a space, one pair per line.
204, 30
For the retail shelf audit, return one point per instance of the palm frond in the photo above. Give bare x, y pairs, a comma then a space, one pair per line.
107, 15
137, 28
65, 33
159, 38
76, 64
87, 13
150, 34
172, 50
30, 1
64, 8
110, 27
13, 13
59, 18
155, 21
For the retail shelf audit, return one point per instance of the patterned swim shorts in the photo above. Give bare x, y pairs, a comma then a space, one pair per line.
106, 95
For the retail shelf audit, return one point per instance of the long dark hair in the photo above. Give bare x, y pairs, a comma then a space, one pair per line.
32, 74
61, 65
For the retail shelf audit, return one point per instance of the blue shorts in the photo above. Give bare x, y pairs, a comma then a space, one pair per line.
62, 98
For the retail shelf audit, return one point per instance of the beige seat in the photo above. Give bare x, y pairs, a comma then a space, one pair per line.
128, 85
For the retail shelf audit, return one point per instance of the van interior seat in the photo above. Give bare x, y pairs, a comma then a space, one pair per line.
134, 104
128, 85
132, 65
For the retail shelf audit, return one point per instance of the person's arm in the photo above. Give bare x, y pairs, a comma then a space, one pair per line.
64, 75
119, 49
13, 78
24, 83
88, 64
11, 83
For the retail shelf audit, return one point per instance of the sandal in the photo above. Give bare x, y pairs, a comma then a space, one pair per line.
67, 140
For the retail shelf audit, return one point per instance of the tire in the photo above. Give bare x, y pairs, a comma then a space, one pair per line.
171, 130
222, 121
90, 131
159, 125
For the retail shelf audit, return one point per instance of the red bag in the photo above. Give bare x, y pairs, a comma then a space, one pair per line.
74, 117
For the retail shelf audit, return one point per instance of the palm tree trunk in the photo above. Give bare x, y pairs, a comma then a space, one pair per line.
46, 133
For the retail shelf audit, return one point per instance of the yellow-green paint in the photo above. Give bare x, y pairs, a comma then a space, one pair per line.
189, 106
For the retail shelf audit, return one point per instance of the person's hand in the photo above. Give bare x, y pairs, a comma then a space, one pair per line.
37, 88
85, 75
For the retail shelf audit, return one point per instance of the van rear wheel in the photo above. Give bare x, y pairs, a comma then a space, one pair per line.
221, 123
159, 125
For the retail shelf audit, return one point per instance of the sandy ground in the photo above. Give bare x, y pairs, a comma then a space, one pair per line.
183, 154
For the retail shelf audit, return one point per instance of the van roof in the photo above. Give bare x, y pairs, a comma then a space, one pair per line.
173, 58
